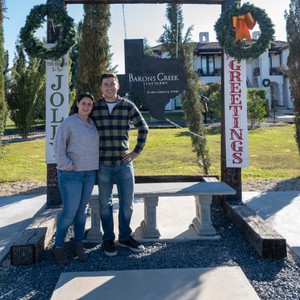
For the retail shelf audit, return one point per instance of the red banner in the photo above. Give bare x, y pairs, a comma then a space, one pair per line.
236, 125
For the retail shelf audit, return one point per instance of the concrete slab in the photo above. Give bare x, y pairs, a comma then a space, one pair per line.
163, 284
281, 211
285, 118
16, 214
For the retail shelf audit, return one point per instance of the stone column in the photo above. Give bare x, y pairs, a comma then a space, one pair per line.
149, 225
94, 234
202, 222
53, 193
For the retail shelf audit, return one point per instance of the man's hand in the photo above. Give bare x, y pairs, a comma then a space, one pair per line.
129, 157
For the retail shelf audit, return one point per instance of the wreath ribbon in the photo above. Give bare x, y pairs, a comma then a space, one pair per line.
242, 24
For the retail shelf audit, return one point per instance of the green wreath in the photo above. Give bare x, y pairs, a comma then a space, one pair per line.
63, 25
266, 82
240, 49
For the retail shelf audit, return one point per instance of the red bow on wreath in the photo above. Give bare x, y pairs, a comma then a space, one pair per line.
241, 25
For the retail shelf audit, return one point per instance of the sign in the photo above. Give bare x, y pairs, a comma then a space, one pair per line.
57, 98
235, 101
155, 80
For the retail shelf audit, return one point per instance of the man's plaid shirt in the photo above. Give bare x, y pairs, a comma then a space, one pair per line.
114, 129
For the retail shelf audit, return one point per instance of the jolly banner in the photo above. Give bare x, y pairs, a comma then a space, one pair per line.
57, 98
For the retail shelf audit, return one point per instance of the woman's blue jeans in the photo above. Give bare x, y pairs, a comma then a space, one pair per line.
76, 189
124, 176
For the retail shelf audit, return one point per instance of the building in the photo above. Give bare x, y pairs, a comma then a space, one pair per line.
265, 72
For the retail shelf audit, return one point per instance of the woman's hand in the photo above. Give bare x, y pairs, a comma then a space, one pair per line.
72, 168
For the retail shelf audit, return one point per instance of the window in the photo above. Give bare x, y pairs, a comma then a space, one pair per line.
207, 65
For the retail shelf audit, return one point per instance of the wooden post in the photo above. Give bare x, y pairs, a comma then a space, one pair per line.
53, 193
232, 176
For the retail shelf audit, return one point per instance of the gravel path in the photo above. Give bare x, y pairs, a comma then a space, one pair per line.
271, 279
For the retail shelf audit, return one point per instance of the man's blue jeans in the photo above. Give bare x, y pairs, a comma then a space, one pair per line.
124, 176
76, 189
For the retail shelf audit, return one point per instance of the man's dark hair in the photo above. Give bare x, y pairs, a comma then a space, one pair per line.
108, 75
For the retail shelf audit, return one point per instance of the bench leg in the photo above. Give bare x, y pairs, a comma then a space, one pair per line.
94, 233
149, 225
202, 222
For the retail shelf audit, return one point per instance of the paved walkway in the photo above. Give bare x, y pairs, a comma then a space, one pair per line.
281, 211
16, 214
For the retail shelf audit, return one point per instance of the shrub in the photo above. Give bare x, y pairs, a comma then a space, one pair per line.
214, 95
256, 106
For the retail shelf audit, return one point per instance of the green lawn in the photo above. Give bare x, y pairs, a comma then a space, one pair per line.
9, 123
23, 161
273, 154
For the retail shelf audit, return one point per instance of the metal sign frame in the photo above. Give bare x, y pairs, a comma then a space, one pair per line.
232, 176
144, 1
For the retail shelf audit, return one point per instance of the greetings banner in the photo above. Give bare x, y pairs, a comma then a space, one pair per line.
236, 127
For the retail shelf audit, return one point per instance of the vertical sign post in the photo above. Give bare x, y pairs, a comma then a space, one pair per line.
232, 176
53, 193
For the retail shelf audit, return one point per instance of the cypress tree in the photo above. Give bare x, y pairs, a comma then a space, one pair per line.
181, 46
193, 111
293, 39
93, 57
3, 109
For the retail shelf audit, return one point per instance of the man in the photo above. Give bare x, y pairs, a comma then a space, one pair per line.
113, 116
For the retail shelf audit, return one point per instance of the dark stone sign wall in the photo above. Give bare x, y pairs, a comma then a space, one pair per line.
156, 81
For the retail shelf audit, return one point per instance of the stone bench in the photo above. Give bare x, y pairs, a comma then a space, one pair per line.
151, 192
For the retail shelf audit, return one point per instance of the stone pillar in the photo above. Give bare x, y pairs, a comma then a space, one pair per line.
149, 225
202, 222
53, 193
94, 234
232, 176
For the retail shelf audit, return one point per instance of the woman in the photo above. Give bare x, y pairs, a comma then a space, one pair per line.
76, 150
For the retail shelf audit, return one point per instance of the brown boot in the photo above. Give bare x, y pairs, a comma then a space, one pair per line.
60, 256
78, 251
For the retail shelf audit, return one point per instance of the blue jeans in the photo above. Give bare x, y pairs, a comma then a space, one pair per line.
76, 189
124, 176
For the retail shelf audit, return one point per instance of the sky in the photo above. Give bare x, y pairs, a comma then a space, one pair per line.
142, 21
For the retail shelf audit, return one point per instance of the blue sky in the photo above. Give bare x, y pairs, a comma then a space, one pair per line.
142, 21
